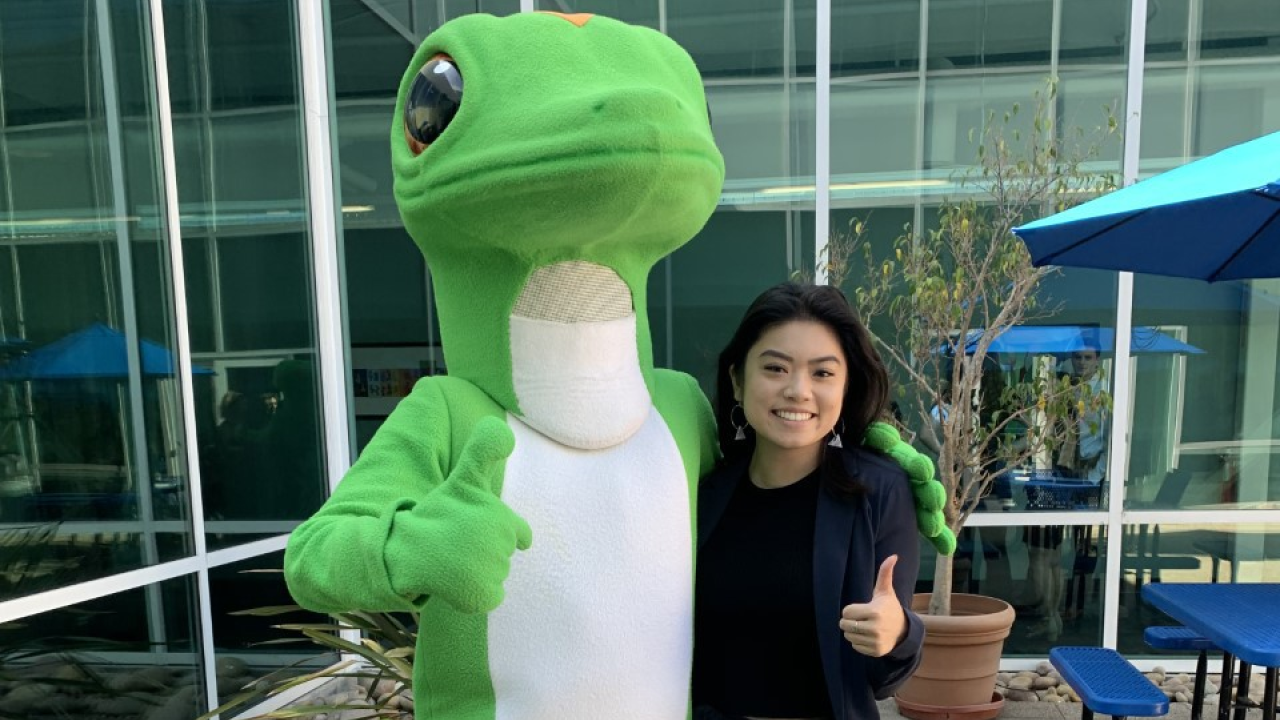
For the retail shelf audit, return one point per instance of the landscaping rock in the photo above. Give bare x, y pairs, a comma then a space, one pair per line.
1021, 683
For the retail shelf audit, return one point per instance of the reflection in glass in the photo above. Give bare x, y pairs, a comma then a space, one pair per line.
238, 637
877, 38
1206, 434
766, 133
243, 200
751, 38
1190, 553
1094, 32
1052, 575
92, 447
133, 655
983, 33
1247, 28
1235, 105
873, 133
956, 106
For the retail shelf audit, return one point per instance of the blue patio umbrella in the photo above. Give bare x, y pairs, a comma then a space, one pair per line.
1057, 339
94, 352
1217, 218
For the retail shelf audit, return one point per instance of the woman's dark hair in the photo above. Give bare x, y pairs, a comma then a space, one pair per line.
865, 398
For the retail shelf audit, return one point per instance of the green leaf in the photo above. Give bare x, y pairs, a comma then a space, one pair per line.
268, 611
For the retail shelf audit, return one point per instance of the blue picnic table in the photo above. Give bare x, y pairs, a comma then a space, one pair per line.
1239, 618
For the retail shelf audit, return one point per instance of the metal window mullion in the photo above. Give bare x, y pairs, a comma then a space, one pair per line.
1195, 17
922, 115
1067, 518
822, 142
1201, 518
785, 139
1118, 457
323, 209
323, 212
141, 465
1055, 39
173, 227
44, 602
245, 551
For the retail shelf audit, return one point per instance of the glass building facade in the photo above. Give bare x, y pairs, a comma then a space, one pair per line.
208, 304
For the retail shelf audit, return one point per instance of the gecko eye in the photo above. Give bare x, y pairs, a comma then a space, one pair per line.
433, 100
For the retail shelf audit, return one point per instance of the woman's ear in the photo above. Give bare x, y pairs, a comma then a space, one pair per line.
737, 383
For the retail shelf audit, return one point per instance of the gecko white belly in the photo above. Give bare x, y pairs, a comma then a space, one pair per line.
598, 616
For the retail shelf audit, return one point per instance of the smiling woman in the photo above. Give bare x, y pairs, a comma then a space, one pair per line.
798, 387
791, 388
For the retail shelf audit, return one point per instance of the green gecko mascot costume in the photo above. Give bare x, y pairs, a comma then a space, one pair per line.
536, 505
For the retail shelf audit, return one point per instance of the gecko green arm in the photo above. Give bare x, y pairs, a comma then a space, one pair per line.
930, 496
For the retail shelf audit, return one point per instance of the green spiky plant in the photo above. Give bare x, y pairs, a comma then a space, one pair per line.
383, 657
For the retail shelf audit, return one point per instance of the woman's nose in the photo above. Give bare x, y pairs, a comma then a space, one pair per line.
798, 388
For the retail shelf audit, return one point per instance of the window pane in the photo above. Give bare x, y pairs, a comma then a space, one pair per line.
984, 33
1234, 105
750, 38
873, 133
1167, 30
238, 638
713, 279
1205, 431
133, 655
1190, 553
1094, 31
1165, 114
239, 140
957, 107
1239, 28
92, 449
765, 132
1052, 575
875, 38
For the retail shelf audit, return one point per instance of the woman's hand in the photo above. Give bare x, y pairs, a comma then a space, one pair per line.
874, 628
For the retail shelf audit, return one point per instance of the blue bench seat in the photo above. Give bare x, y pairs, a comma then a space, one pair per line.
1177, 637
1107, 683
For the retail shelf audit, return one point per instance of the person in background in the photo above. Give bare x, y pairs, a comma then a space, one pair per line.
1084, 455
807, 547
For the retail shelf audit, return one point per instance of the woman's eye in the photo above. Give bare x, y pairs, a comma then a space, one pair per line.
773, 368
433, 100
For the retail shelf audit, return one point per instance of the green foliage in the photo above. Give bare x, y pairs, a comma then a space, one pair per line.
947, 291
381, 663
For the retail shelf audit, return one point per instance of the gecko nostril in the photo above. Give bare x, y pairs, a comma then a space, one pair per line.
598, 106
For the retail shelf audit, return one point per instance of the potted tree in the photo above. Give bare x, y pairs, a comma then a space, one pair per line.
940, 298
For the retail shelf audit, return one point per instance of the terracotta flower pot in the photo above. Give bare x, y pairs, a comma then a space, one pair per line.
961, 655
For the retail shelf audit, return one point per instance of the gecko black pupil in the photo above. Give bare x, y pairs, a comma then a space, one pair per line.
433, 100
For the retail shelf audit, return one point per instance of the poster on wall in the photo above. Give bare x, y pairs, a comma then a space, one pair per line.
382, 375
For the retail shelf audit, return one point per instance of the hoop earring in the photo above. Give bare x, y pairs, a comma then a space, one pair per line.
836, 442
742, 429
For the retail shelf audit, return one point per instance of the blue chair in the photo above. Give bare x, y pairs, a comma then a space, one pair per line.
1107, 683
1176, 637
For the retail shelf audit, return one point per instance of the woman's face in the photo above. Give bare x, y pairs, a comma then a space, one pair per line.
792, 385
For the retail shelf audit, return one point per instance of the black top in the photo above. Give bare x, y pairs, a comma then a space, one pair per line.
852, 537
755, 628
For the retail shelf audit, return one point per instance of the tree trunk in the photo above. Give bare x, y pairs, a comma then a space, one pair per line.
940, 603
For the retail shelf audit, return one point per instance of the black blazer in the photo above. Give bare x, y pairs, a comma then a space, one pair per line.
851, 539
